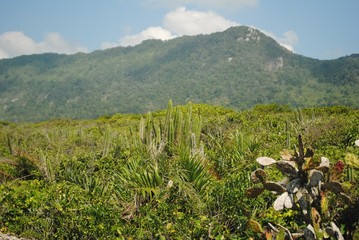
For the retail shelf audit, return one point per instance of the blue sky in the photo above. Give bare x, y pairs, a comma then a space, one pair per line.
315, 28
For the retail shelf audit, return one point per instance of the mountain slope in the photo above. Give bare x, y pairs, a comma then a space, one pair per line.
239, 68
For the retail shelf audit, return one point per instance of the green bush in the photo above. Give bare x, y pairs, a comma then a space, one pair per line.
181, 173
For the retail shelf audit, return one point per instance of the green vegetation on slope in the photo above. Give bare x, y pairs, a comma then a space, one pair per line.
237, 68
181, 173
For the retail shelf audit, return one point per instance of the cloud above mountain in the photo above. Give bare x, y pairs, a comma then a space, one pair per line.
175, 23
178, 23
17, 43
132, 40
182, 21
288, 40
186, 22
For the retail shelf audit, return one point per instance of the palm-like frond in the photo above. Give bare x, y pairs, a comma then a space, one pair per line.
195, 172
144, 182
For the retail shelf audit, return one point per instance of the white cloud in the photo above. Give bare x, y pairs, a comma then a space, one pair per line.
15, 43
3, 54
288, 40
185, 22
131, 40
54, 42
177, 23
188, 22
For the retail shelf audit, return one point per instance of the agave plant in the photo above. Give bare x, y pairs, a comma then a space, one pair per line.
304, 188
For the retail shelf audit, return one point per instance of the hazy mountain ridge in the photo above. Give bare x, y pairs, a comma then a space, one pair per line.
239, 68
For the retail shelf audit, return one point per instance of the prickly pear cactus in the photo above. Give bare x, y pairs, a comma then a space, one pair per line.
304, 189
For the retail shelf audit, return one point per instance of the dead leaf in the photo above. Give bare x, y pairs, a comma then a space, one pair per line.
346, 198
286, 155
279, 202
309, 233
308, 153
265, 161
254, 192
272, 186
294, 185
261, 175
288, 203
336, 171
315, 218
336, 230
334, 187
287, 168
315, 177
255, 226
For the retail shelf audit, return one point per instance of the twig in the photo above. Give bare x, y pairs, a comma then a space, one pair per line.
273, 227
287, 231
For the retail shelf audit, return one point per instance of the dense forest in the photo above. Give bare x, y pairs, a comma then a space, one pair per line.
190, 171
238, 68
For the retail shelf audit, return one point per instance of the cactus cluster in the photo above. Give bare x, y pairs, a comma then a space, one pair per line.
305, 188
179, 130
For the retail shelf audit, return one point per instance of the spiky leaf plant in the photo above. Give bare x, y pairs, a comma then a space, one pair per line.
305, 188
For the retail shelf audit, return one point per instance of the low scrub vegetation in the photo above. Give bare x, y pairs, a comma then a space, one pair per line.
187, 172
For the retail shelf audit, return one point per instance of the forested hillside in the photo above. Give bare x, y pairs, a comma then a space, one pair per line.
238, 68
183, 173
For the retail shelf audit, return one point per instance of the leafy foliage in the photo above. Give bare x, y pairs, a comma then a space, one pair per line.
180, 173
304, 187
238, 68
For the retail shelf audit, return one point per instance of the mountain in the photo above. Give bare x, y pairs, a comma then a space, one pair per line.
238, 68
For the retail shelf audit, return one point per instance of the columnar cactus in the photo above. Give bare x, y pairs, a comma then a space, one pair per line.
304, 188
179, 130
